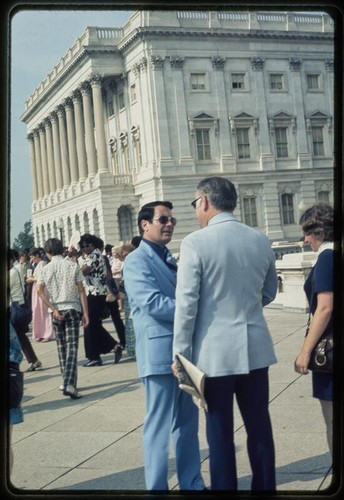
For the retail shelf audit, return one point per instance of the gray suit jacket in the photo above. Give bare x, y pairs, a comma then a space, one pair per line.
150, 286
226, 274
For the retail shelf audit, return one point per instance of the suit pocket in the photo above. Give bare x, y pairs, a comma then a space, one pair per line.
159, 345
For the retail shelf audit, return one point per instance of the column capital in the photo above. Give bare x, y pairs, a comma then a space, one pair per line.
46, 123
68, 104
257, 63
157, 62
85, 88
41, 128
177, 61
53, 117
329, 64
96, 80
30, 137
76, 95
295, 63
60, 110
218, 62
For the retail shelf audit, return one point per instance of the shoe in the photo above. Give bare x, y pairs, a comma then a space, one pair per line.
94, 362
118, 353
72, 392
37, 365
61, 388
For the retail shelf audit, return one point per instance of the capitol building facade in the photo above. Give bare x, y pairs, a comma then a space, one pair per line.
145, 111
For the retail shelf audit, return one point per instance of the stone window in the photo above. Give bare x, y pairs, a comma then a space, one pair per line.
281, 141
249, 211
133, 96
317, 141
287, 201
203, 131
125, 223
121, 100
277, 81
111, 110
313, 82
238, 81
198, 82
323, 196
243, 142
203, 144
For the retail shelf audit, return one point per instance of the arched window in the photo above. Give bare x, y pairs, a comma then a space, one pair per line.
86, 223
287, 200
77, 223
95, 220
69, 229
125, 223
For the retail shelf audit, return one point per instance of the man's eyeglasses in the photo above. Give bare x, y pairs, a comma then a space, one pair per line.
193, 203
164, 219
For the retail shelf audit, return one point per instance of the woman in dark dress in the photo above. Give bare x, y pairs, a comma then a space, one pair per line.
317, 226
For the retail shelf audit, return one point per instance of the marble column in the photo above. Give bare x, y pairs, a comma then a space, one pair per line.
44, 162
63, 146
73, 159
99, 123
50, 156
80, 135
89, 129
57, 151
38, 164
33, 166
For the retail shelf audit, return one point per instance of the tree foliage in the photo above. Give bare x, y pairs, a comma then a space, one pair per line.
25, 239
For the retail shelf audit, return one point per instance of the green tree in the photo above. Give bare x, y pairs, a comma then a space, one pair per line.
24, 239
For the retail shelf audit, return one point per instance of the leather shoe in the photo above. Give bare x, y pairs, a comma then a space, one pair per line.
94, 362
118, 353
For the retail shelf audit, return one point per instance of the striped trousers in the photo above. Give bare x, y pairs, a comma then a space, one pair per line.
67, 339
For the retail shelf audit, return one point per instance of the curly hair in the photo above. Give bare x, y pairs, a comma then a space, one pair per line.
318, 220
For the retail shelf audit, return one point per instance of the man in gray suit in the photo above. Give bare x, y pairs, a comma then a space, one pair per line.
150, 282
226, 274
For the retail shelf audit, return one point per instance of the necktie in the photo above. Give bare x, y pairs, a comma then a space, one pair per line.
170, 261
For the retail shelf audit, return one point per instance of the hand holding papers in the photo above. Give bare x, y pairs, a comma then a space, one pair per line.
191, 380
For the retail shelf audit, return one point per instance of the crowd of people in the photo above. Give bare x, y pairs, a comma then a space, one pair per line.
208, 307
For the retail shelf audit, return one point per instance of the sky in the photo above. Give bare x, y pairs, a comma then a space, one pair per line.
38, 40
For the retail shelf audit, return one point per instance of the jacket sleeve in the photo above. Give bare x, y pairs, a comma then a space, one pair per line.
270, 283
187, 296
144, 291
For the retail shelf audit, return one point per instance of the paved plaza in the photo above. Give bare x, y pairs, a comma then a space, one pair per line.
94, 443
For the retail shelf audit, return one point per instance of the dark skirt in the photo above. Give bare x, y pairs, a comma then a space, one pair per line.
322, 385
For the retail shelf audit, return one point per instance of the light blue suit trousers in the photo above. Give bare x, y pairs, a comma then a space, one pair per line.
163, 419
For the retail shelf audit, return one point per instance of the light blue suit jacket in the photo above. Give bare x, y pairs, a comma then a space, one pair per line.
226, 274
150, 285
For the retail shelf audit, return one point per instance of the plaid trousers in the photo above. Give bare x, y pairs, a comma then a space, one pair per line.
67, 339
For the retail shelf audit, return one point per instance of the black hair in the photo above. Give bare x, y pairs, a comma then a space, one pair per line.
147, 211
53, 246
136, 240
318, 220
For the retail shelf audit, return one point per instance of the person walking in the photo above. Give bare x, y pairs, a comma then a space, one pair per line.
317, 227
22, 328
226, 274
97, 339
66, 297
150, 281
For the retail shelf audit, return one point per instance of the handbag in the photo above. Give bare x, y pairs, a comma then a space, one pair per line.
16, 385
321, 359
21, 315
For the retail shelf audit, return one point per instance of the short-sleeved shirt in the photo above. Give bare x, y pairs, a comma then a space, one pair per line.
61, 277
96, 278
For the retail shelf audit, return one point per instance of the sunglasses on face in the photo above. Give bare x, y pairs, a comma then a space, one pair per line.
164, 219
193, 203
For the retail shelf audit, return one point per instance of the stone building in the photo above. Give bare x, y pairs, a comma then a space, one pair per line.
146, 110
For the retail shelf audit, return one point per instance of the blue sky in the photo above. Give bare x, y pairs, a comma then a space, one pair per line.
39, 39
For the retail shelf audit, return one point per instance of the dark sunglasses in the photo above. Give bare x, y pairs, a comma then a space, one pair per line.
164, 219
193, 203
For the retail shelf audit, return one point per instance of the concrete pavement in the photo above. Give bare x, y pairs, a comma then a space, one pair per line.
95, 444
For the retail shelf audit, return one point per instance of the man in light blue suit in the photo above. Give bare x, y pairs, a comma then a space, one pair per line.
226, 274
150, 282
